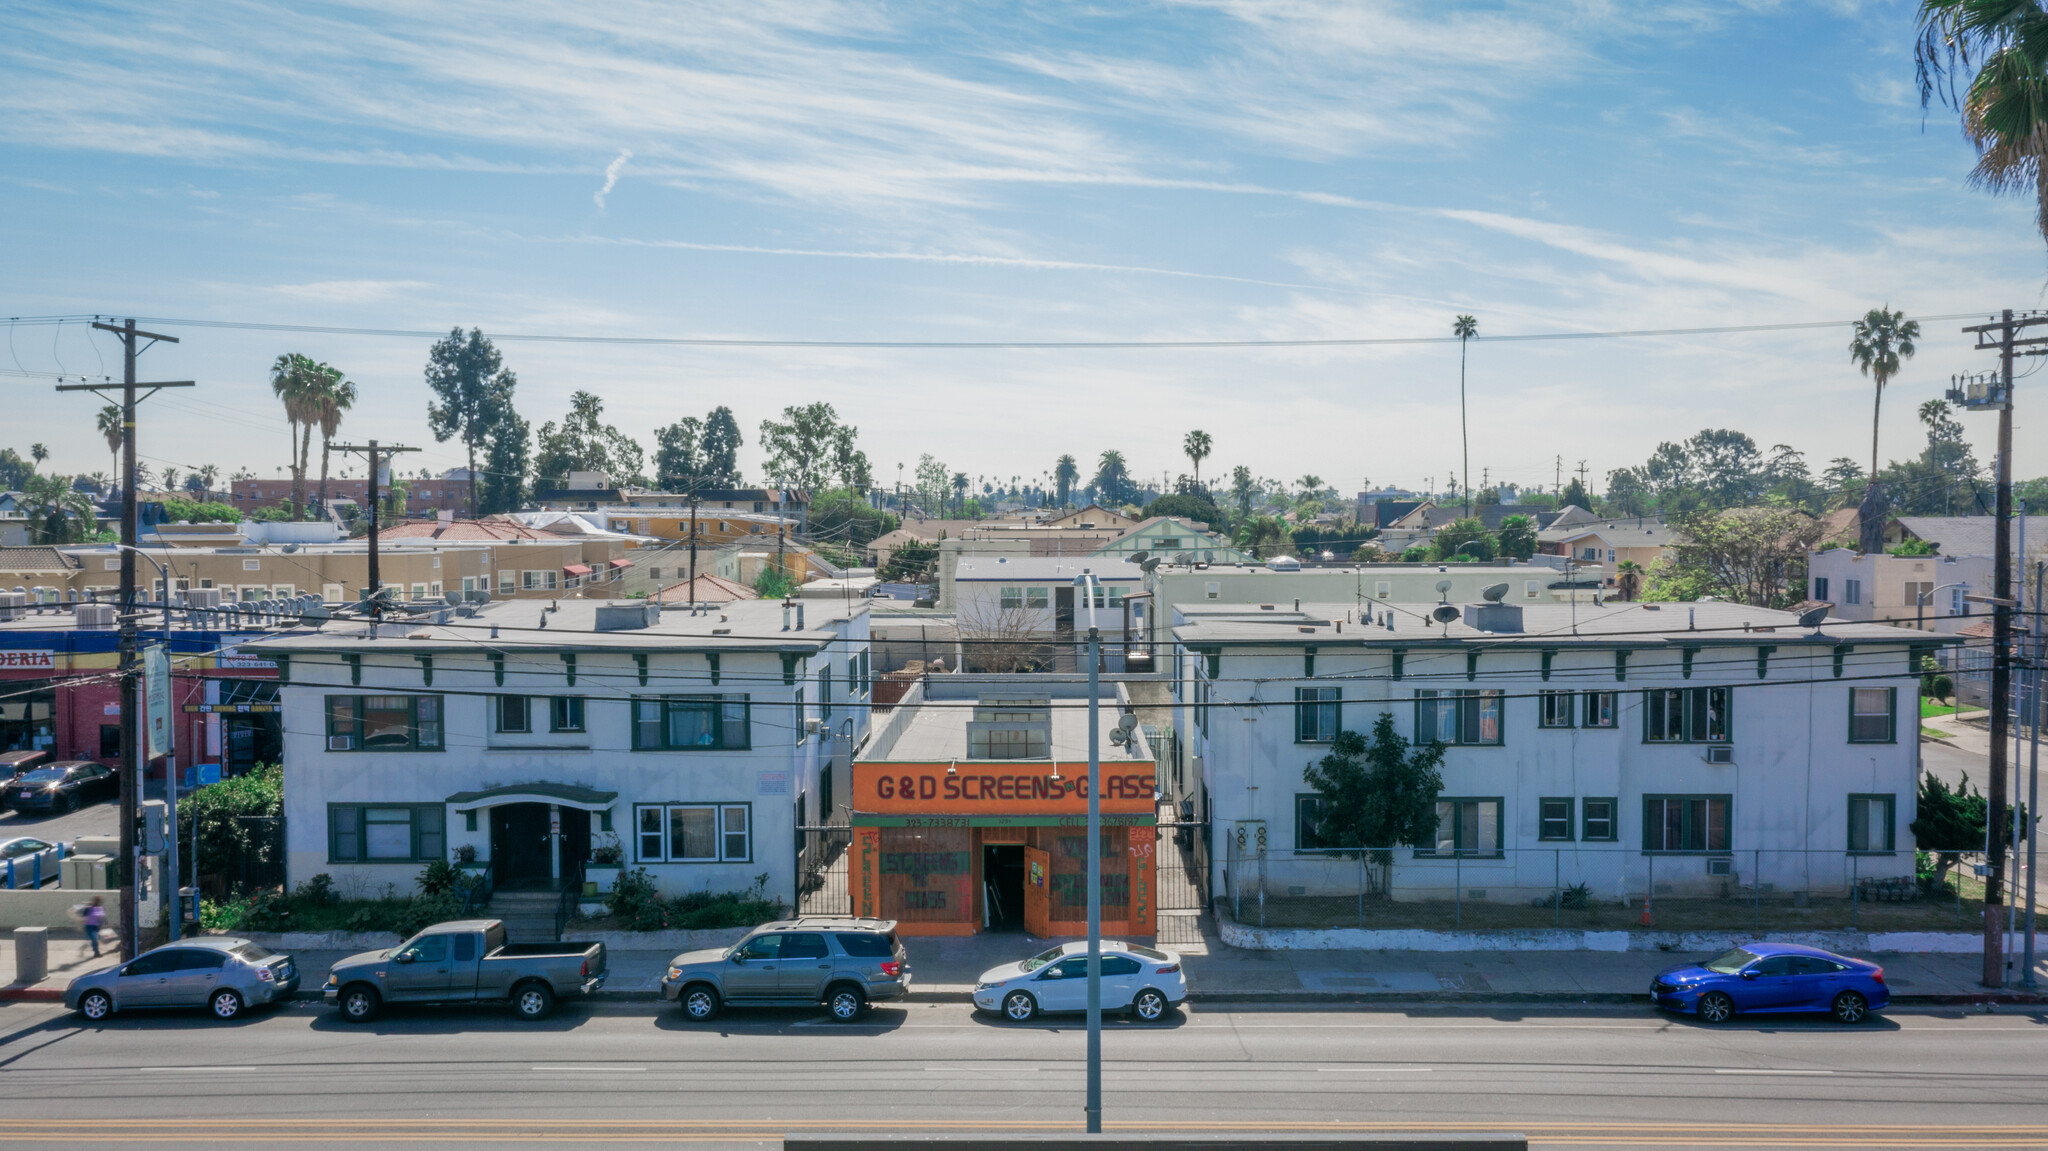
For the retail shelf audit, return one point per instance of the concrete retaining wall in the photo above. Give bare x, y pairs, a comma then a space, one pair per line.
675, 941
51, 908
1356, 939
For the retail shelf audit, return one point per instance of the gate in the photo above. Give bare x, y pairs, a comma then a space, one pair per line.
821, 859
1182, 875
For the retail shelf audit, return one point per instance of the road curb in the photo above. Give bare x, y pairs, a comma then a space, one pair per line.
31, 995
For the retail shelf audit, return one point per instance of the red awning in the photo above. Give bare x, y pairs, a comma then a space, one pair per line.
621, 563
576, 570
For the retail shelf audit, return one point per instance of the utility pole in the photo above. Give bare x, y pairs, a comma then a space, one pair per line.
372, 449
1582, 474
1557, 477
132, 764
693, 547
1980, 394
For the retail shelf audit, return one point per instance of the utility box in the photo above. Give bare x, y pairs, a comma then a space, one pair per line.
86, 873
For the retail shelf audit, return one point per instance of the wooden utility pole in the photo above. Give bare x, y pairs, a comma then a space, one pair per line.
693, 548
373, 450
1981, 395
133, 757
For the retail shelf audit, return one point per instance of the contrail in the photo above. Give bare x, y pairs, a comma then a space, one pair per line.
611, 176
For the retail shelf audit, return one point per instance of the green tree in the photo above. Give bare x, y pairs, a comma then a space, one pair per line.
1464, 536
1575, 496
473, 392
959, 485
1465, 328
109, 424
1377, 794
1112, 482
811, 447
62, 514
1243, 489
842, 514
1949, 823
227, 838
1883, 341
678, 455
1517, 536
1755, 556
1065, 475
38, 453
298, 382
336, 396
2004, 106
1263, 537
502, 485
201, 512
583, 442
932, 480
15, 471
1196, 446
1188, 507
721, 447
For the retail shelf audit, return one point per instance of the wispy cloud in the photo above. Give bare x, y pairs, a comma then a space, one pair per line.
611, 176
349, 291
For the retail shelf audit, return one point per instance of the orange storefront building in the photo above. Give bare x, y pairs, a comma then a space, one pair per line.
971, 814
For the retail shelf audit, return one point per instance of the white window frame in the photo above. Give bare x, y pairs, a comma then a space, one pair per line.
732, 823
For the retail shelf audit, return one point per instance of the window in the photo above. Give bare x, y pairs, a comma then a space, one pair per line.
695, 833
1820, 587
1458, 717
1467, 827
419, 591
1023, 742
513, 714
1870, 823
1038, 597
110, 740
1381, 589
384, 723
565, 713
1317, 714
825, 692
1553, 819
1916, 591
1557, 708
1308, 826
1852, 591
1600, 708
1597, 820
1685, 823
1686, 715
393, 833
1871, 714
508, 582
538, 581
252, 565
1012, 599
691, 722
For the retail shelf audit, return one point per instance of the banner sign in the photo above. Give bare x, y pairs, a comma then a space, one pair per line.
24, 660
156, 696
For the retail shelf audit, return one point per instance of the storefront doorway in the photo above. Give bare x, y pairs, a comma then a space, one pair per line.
1002, 880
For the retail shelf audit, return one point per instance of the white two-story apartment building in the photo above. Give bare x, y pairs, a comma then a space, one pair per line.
532, 734
1693, 748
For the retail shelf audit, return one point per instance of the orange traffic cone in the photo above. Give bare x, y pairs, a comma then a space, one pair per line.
1646, 911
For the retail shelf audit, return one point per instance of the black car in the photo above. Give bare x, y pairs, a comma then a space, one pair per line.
61, 787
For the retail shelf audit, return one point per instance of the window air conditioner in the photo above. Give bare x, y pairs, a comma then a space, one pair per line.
1720, 753
341, 743
1720, 867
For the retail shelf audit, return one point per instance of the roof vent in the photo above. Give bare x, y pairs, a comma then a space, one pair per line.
1265, 607
626, 616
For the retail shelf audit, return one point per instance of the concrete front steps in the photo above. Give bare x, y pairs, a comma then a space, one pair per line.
529, 915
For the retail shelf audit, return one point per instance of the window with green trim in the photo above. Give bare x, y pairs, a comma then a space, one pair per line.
384, 723
1458, 717
1467, 827
692, 723
1597, 820
386, 833
1871, 825
1554, 818
1694, 823
1318, 711
1687, 715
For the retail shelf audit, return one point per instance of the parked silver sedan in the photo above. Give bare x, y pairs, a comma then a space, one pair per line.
1145, 981
224, 975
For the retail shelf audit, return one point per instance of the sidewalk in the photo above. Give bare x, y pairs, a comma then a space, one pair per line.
945, 969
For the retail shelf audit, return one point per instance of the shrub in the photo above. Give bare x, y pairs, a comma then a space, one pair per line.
438, 878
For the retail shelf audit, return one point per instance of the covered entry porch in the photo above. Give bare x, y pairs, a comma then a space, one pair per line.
533, 836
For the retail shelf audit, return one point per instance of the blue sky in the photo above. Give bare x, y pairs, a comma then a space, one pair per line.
1219, 170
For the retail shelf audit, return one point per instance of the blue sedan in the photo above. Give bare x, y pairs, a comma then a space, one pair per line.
1773, 977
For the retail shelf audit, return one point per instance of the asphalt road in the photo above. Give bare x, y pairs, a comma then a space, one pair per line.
1621, 1077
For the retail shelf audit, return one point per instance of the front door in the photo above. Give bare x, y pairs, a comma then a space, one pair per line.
575, 842
1063, 986
1037, 904
1002, 881
1772, 987
754, 971
521, 853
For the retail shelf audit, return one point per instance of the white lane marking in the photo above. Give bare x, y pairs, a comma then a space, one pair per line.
588, 1067
1764, 1071
990, 1070
196, 1067
1375, 1069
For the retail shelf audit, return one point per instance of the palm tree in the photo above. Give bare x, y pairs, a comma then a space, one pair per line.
1065, 475
2005, 106
56, 503
297, 381
1263, 536
960, 492
336, 397
206, 477
1195, 445
1465, 328
38, 453
109, 423
1883, 340
1112, 477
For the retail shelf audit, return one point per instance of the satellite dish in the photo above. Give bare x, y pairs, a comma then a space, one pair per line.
1444, 613
1443, 588
1148, 565
1138, 557
1118, 736
1813, 617
1494, 592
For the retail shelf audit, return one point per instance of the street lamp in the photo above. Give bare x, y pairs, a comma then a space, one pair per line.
1086, 584
1920, 603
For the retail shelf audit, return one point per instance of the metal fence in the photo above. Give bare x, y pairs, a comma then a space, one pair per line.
821, 861
1602, 889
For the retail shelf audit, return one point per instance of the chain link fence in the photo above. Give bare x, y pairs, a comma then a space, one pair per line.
1602, 889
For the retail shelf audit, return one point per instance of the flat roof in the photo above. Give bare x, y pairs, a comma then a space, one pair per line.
1543, 624
937, 731
1043, 569
739, 625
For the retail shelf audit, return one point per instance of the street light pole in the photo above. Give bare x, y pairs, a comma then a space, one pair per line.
1094, 880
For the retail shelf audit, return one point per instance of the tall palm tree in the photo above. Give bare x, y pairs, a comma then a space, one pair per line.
1465, 328
1112, 477
338, 396
297, 381
1883, 340
109, 423
960, 492
38, 453
1195, 445
2005, 105
1065, 475
207, 475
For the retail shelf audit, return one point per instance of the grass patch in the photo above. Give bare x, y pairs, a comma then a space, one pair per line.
1929, 708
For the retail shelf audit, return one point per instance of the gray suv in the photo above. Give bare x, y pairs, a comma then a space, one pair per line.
843, 963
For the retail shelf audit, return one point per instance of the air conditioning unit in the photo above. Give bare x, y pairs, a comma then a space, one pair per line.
1720, 867
341, 743
1720, 753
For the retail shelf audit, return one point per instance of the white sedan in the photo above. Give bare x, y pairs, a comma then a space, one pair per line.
1142, 980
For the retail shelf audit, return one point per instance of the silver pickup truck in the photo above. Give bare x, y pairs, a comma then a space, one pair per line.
465, 961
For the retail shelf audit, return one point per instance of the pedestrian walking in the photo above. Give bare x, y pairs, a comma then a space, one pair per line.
94, 916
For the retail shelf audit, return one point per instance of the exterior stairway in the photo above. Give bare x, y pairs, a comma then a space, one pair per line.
529, 915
